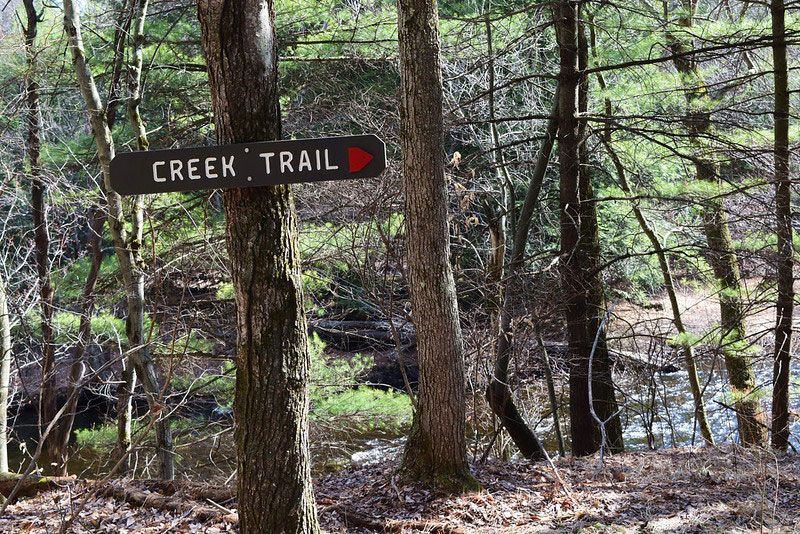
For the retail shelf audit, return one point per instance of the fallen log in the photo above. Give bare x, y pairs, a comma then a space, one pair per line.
169, 503
635, 360
361, 335
30, 486
191, 490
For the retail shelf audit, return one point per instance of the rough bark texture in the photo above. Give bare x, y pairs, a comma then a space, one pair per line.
271, 404
783, 213
721, 254
581, 283
129, 266
5, 373
435, 452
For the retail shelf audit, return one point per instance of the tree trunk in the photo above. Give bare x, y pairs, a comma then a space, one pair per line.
5, 373
41, 237
63, 431
129, 268
499, 392
722, 256
602, 393
783, 213
666, 271
273, 362
96, 217
125, 394
581, 284
436, 451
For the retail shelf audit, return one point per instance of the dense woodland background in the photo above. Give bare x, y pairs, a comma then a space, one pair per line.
683, 176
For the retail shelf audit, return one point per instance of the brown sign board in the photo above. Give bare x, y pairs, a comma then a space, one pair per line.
248, 165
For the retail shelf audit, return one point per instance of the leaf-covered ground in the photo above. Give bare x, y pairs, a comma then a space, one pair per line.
723, 490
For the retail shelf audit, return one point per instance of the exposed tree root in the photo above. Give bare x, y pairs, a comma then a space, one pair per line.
31, 486
171, 503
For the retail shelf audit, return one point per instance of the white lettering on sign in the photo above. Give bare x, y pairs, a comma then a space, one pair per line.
176, 169
210, 168
305, 161
266, 156
191, 167
286, 161
227, 166
328, 166
156, 177
223, 166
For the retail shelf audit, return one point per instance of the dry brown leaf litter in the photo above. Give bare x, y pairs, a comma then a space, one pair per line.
725, 490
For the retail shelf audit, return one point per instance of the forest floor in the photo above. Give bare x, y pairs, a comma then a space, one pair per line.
689, 490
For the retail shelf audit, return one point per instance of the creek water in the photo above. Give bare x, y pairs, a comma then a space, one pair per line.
658, 413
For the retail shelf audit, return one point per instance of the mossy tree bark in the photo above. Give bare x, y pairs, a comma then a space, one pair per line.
783, 213
124, 246
580, 253
721, 254
436, 451
273, 363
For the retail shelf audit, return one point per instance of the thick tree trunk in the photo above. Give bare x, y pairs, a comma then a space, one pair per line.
129, 268
582, 426
436, 451
41, 235
273, 363
5, 373
783, 213
722, 256
602, 393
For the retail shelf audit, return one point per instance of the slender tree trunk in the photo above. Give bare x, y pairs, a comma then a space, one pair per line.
62, 432
436, 451
499, 392
125, 408
134, 284
5, 373
722, 256
41, 235
666, 271
497, 217
783, 213
273, 362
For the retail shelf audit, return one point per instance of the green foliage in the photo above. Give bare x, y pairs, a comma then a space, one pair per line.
106, 328
221, 385
68, 283
365, 409
686, 339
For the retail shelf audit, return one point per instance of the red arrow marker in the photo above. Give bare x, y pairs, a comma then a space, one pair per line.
358, 158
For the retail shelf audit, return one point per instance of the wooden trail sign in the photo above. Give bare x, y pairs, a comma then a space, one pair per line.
248, 165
